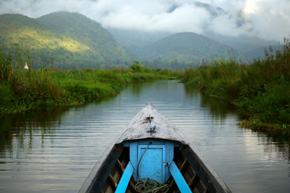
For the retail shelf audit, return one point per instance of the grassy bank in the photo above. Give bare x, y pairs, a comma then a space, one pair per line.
22, 90
261, 90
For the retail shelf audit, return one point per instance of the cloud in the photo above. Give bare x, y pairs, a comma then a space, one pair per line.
267, 19
271, 18
181, 18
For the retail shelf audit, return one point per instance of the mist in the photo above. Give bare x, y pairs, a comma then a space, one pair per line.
266, 19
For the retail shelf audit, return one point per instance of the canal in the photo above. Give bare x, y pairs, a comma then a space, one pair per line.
54, 151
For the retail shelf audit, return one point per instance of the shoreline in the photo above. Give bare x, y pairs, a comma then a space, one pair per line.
33, 89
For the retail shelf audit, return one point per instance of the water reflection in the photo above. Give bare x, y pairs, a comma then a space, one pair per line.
218, 108
23, 125
53, 151
280, 145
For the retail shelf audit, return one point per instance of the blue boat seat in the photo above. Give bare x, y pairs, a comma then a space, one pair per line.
178, 178
124, 181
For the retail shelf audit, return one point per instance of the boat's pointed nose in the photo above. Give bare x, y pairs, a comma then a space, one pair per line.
149, 104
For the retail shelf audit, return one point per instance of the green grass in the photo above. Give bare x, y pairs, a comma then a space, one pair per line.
22, 90
261, 90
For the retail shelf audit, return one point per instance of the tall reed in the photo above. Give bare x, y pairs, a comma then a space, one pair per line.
6, 72
260, 90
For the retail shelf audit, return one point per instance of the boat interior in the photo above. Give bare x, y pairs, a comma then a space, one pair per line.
161, 160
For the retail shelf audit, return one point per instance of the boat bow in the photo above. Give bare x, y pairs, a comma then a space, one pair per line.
149, 123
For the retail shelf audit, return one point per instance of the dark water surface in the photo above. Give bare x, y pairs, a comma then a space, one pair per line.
54, 151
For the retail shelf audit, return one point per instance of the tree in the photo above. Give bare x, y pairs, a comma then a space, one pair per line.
136, 67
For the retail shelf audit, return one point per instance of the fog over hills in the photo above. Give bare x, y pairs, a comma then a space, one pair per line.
234, 30
244, 47
187, 47
264, 19
182, 32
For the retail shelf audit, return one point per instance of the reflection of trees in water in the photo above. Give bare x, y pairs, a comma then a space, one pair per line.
28, 123
136, 88
25, 125
218, 108
275, 143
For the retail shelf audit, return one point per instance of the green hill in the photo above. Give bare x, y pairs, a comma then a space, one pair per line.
187, 47
135, 39
62, 39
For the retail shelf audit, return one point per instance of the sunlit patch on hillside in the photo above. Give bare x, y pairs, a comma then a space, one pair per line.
47, 40
73, 46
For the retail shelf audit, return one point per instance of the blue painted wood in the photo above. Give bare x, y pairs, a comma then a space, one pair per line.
151, 165
124, 181
155, 161
169, 157
133, 158
178, 178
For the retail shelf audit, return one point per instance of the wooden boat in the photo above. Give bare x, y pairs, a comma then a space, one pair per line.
151, 148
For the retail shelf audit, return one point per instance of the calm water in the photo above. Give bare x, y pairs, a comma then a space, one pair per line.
54, 151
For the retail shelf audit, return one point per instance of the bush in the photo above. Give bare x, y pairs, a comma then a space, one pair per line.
270, 106
136, 67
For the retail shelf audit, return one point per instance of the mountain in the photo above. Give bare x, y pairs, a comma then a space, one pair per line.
61, 39
71, 40
187, 47
251, 47
245, 45
259, 53
136, 39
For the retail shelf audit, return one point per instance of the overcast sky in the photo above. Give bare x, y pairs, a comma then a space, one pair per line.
267, 19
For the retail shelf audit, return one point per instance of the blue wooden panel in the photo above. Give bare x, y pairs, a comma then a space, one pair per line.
124, 181
151, 165
178, 178
159, 155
